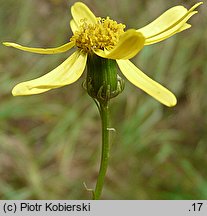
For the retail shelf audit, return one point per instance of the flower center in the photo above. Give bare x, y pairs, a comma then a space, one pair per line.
102, 35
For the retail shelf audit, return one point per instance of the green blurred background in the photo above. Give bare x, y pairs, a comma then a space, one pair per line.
50, 143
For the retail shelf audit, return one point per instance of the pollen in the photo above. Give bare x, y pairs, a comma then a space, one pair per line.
102, 35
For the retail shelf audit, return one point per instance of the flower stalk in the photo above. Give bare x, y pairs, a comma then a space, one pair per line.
104, 114
102, 84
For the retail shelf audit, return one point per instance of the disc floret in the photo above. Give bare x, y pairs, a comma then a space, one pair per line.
104, 34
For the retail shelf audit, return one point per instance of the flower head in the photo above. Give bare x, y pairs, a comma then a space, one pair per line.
106, 38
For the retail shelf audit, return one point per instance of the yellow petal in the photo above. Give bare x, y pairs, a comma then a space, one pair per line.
60, 49
163, 22
171, 19
80, 12
66, 73
184, 27
130, 43
174, 30
142, 81
73, 26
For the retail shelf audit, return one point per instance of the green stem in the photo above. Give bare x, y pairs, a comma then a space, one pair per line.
104, 113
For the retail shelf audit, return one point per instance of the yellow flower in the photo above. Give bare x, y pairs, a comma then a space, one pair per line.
107, 39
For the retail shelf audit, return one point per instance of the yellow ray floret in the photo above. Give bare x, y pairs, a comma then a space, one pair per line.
129, 44
142, 81
167, 24
81, 12
66, 73
56, 50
